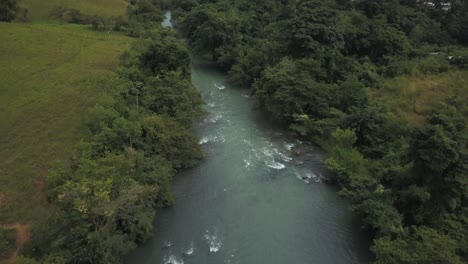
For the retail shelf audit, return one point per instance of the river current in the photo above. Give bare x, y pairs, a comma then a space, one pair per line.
259, 197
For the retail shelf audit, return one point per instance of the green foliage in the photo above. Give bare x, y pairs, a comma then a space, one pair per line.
165, 56
294, 88
138, 138
58, 13
386, 40
79, 71
39, 11
138, 135
315, 29
322, 68
76, 17
7, 241
458, 21
8, 10
422, 245
23, 260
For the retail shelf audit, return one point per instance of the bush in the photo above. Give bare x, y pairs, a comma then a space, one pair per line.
58, 13
76, 17
7, 241
459, 59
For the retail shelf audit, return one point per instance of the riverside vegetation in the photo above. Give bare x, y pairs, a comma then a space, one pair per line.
102, 199
46, 87
381, 85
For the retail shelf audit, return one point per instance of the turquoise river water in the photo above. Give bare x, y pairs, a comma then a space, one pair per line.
259, 196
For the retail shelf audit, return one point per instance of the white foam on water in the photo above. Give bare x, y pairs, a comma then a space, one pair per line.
204, 140
247, 163
173, 260
207, 139
213, 242
289, 146
267, 152
214, 119
302, 178
275, 165
313, 176
248, 142
275, 153
308, 177
270, 159
211, 105
255, 152
190, 251
245, 95
220, 87
167, 244
284, 157
231, 257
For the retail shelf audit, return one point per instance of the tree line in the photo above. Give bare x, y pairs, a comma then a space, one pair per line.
139, 135
314, 65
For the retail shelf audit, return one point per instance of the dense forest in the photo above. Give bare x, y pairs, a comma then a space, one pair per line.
316, 67
139, 135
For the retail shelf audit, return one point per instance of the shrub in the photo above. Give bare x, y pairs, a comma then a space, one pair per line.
7, 241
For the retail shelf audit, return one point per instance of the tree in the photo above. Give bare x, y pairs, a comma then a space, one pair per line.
75, 16
173, 96
365, 120
438, 150
165, 56
58, 12
315, 28
7, 241
8, 10
386, 40
294, 88
458, 21
423, 245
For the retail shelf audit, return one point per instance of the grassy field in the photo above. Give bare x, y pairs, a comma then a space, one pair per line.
413, 96
50, 74
39, 9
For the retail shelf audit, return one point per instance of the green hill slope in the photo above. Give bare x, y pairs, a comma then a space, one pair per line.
50, 75
39, 9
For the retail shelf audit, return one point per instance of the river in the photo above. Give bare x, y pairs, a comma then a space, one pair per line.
259, 196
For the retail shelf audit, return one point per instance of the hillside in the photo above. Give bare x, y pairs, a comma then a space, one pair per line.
413, 97
65, 107
50, 75
39, 10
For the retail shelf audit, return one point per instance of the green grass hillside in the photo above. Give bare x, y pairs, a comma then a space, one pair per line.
50, 74
412, 97
39, 9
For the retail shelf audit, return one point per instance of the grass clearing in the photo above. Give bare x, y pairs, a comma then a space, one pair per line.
50, 75
413, 96
39, 9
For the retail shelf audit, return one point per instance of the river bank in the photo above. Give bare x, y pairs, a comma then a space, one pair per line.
252, 200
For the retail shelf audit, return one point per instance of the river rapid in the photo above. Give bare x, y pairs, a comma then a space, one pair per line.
259, 197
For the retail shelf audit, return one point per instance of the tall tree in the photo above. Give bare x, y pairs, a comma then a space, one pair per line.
8, 10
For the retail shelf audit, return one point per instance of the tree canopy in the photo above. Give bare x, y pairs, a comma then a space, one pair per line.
317, 66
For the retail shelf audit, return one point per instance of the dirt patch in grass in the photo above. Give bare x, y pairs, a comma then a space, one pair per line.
22, 237
41, 182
